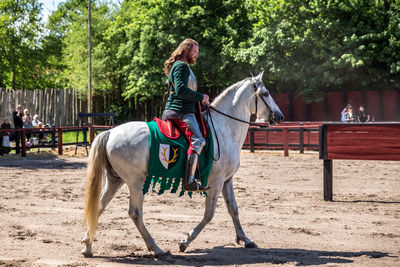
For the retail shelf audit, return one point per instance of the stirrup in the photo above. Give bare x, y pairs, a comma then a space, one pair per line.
194, 186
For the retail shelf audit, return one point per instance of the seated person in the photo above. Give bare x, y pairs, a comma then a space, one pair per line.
349, 116
42, 136
5, 138
343, 113
363, 115
35, 121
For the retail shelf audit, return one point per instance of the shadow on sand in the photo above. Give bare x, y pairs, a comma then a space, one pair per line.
239, 256
367, 201
41, 160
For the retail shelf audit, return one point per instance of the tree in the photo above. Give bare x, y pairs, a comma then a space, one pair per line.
315, 46
20, 34
148, 32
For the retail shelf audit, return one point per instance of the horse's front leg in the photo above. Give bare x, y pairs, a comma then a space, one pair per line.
230, 202
211, 203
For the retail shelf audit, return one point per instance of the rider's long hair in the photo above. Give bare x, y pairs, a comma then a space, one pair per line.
178, 54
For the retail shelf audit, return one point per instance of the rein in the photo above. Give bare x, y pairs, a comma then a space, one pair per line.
233, 118
209, 117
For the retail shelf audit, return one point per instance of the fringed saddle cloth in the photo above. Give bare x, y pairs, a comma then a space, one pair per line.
168, 155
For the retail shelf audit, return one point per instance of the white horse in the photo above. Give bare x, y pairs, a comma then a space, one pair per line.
122, 156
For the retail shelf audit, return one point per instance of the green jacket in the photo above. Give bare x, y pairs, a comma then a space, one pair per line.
181, 98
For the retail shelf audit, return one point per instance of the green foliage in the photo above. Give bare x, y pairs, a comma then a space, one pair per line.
310, 47
148, 31
319, 45
20, 43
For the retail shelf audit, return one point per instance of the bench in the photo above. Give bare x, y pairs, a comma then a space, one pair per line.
371, 141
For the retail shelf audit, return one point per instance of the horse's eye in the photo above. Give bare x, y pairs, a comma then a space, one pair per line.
266, 93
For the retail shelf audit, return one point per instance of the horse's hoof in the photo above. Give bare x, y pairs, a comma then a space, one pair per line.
237, 240
251, 245
182, 246
87, 254
162, 254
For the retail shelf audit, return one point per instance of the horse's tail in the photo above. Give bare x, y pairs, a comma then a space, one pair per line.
94, 177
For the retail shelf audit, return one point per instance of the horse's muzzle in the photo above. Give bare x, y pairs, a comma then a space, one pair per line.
276, 118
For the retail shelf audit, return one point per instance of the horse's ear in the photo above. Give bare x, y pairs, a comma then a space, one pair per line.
260, 75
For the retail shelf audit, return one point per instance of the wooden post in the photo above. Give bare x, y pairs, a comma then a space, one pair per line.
23, 144
46, 104
53, 138
91, 134
328, 180
301, 138
286, 142
251, 140
21, 98
60, 148
40, 101
61, 110
57, 108
90, 108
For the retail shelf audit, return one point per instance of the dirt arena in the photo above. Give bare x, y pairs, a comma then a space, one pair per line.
280, 203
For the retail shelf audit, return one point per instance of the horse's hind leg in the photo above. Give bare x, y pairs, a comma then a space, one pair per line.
136, 214
230, 202
111, 186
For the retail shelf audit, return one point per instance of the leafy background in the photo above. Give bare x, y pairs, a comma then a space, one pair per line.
308, 47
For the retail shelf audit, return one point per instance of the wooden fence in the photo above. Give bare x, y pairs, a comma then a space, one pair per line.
56, 134
287, 135
371, 141
58, 107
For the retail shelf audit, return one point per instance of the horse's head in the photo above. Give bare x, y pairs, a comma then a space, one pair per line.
265, 106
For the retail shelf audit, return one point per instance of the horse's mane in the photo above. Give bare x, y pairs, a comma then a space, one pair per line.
227, 92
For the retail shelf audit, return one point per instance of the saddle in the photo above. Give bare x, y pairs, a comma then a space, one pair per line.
172, 129
168, 128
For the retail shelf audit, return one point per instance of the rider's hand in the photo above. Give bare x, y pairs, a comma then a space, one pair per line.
205, 100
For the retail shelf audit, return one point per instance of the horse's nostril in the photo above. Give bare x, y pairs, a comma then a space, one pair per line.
278, 116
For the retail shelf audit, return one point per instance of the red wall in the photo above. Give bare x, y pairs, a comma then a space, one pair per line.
282, 100
335, 106
317, 111
390, 105
299, 111
372, 104
354, 98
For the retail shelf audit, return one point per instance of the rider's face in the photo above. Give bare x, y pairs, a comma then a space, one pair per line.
193, 54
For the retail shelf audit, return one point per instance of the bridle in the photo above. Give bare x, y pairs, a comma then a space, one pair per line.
209, 117
256, 103
263, 100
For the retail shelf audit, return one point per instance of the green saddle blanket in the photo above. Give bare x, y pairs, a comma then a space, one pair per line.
168, 161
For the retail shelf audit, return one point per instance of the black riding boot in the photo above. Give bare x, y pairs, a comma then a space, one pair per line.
190, 182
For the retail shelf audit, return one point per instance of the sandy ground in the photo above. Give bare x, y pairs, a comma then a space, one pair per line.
281, 209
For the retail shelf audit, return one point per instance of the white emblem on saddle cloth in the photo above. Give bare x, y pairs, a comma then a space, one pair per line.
168, 155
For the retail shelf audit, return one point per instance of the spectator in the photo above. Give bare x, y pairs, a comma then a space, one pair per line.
35, 122
5, 138
343, 113
363, 115
349, 116
28, 125
42, 136
18, 124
